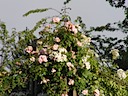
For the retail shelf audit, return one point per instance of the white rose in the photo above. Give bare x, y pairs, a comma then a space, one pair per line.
61, 50
53, 70
121, 74
115, 53
85, 92
87, 64
32, 59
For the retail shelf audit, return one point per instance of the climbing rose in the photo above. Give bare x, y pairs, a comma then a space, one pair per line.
32, 59
55, 46
43, 51
29, 49
42, 58
56, 19
121, 74
57, 39
71, 82
67, 24
87, 64
70, 65
62, 50
85, 92
79, 43
53, 70
96, 92
115, 53
74, 29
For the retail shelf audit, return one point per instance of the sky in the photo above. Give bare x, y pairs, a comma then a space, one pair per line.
93, 12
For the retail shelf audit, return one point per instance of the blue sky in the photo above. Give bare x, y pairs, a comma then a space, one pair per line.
93, 12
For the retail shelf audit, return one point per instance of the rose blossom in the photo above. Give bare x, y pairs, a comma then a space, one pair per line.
65, 94
56, 19
121, 74
87, 64
67, 24
71, 27
29, 49
32, 59
74, 29
79, 43
96, 92
64, 57
57, 39
69, 64
62, 50
53, 70
42, 58
45, 80
85, 92
71, 82
115, 53
55, 46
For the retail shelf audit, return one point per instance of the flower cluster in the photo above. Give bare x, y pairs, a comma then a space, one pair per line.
69, 50
61, 60
58, 55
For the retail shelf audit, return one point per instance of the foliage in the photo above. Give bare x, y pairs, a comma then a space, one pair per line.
62, 59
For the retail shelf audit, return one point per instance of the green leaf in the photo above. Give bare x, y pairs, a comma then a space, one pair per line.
35, 11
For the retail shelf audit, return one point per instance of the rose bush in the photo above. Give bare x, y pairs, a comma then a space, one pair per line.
61, 60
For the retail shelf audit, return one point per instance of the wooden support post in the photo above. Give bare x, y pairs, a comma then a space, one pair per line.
74, 93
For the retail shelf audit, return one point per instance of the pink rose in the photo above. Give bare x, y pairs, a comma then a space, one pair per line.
67, 24
56, 19
96, 92
71, 82
29, 49
55, 47
42, 58
85, 92
74, 29
57, 39
79, 43
70, 65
